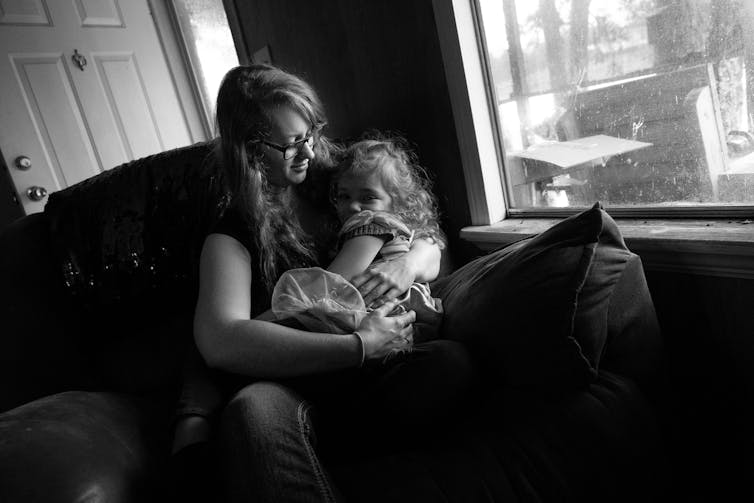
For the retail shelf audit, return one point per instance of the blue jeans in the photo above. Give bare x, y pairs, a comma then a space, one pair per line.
272, 451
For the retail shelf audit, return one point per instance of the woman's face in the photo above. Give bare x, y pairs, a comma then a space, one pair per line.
288, 127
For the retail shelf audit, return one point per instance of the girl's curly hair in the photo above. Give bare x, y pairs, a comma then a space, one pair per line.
403, 178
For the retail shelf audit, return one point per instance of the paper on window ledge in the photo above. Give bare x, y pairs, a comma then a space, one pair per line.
571, 153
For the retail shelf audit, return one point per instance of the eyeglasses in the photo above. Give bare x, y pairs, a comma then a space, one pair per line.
290, 150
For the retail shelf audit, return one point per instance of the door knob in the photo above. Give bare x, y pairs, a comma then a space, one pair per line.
23, 163
36, 193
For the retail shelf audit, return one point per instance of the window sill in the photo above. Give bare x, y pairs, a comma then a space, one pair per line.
720, 247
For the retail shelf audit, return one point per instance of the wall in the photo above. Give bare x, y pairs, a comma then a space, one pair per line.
375, 65
707, 401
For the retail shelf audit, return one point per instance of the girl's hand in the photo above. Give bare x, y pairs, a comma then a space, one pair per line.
384, 281
382, 334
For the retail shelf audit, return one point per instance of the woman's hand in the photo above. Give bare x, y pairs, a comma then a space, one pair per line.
382, 334
387, 280
384, 281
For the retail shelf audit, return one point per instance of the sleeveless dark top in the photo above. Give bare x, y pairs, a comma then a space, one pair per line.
318, 218
232, 224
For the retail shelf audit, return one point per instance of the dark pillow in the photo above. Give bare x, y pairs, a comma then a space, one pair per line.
535, 312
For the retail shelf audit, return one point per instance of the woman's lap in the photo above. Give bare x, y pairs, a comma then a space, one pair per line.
267, 427
267, 445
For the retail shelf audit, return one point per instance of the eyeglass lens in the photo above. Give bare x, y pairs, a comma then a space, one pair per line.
293, 149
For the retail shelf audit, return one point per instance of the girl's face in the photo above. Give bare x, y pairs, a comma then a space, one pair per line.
361, 192
289, 130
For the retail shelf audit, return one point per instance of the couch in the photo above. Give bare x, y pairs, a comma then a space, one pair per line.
97, 296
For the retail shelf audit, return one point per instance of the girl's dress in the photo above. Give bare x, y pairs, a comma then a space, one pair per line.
323, 301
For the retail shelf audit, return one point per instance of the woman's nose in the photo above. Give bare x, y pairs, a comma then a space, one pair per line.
307, 151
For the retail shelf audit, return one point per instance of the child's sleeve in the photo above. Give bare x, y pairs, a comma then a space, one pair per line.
373, 223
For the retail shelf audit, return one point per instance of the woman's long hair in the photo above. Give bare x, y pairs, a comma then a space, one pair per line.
246, 97
402, 176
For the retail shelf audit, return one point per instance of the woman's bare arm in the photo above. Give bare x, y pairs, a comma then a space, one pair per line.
229, 340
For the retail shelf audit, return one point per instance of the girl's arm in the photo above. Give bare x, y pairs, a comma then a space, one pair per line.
355, 255
229, 340
388, 280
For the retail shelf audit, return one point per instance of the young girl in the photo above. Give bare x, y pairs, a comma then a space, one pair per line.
383, 201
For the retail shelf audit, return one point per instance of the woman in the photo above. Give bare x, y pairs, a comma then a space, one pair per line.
270, 125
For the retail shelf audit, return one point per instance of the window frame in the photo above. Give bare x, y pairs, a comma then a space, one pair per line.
182, 73
709, 240
476, 125
180, 60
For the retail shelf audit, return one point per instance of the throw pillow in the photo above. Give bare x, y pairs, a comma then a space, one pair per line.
535, 312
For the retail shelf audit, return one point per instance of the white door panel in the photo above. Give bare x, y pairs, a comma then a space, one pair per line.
24, 12
127, 100
50, 99
99, 13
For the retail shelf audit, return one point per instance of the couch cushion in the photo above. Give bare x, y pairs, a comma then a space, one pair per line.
596, 444
535, 312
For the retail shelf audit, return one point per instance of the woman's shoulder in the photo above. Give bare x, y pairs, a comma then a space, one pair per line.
233, 224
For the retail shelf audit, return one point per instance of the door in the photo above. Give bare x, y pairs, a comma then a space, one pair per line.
84, 87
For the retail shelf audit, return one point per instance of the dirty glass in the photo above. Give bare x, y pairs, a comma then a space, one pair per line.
628, 102
209, 45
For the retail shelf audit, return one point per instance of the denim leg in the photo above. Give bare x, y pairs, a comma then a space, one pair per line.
268, 443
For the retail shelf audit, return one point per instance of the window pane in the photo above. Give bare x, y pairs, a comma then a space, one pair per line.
629, 102
209, 44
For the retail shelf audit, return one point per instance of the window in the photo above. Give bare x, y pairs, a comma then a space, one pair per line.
641, 104
208, 44
670, 73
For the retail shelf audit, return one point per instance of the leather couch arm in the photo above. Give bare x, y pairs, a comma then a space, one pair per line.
77, 446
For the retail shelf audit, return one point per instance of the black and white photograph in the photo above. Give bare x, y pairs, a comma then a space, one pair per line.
379, 251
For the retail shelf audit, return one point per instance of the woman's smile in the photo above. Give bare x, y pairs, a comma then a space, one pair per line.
300, 167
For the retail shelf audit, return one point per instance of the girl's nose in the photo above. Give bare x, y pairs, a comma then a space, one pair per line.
355, 207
